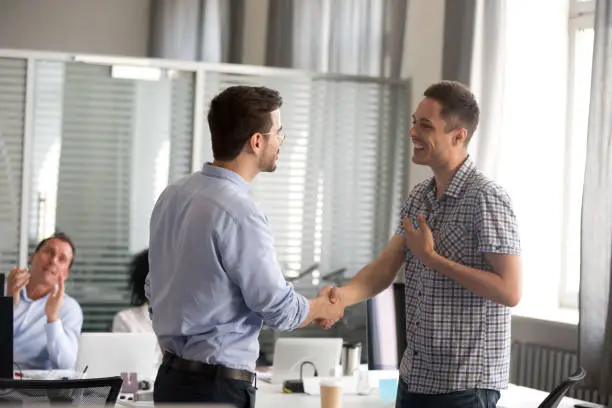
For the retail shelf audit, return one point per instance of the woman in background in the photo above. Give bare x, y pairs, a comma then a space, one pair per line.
136, 318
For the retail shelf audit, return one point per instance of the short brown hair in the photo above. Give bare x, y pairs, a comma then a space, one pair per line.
62, 237
459, 107
236, 114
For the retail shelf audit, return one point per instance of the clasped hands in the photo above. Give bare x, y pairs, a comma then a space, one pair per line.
334, 307
419, 241
17, 279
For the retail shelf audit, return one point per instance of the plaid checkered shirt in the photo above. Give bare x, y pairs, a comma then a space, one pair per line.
456, 339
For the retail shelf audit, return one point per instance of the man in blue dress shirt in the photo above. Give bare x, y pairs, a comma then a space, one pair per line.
214, 277
46, 322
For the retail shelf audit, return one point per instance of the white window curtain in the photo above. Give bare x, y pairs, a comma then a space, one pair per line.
596, 267
521, 138
357, 37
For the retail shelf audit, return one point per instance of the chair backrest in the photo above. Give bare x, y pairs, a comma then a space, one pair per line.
555, 397
95, 392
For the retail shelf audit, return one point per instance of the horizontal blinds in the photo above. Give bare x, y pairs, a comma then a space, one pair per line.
330, 199
287, 196
93, 200
181, 130
104, 148
107, 147
46, 145
12, 116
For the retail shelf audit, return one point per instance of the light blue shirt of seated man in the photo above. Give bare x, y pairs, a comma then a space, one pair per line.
46, 322
214, 277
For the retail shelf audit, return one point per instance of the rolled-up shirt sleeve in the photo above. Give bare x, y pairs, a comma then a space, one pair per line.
250, 260
496, 227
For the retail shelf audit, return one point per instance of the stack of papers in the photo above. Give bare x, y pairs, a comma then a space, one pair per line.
47, 374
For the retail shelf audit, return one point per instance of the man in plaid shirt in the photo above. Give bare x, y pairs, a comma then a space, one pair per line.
458, 239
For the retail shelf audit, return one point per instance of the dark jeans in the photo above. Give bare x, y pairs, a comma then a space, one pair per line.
175, 386
477, 398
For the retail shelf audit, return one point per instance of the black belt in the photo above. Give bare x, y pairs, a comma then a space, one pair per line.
207, 369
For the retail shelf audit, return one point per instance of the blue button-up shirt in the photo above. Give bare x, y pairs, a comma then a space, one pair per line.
39, 345
214, 277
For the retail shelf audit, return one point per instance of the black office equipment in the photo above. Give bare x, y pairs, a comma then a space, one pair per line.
386, 328
89, 392
554, 398
6, 337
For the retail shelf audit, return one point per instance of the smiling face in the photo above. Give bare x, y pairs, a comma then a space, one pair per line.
435, 141
51, 262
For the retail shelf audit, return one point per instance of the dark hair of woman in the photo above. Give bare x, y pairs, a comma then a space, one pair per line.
139, 268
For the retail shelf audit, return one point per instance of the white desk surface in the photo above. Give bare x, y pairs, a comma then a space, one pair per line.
269, 395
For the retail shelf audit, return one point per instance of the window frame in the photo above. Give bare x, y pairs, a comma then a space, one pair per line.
581, 16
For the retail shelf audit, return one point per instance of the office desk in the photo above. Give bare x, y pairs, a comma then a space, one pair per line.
269, 395
519, 397
514, 397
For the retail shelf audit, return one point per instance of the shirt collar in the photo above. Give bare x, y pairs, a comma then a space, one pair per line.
458, 182
219, 172
23, 296
460, 177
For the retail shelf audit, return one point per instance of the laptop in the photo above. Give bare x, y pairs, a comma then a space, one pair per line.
291, 352
135, 355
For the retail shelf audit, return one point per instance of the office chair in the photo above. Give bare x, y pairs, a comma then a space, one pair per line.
94, 392
555, 397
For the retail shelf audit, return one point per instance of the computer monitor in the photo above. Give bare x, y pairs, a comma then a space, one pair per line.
111, 354
291, 352
386, 328
6, 337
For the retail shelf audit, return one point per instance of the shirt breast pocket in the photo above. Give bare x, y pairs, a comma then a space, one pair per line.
451, 240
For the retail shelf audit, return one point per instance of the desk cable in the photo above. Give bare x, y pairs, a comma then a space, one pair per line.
316, 373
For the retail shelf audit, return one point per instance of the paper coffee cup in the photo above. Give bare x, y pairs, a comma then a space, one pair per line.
331, 393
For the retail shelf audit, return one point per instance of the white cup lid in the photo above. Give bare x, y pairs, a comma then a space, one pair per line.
330, 382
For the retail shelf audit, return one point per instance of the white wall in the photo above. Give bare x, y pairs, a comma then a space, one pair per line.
118, 27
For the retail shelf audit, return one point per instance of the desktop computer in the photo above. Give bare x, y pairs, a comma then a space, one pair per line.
6, 333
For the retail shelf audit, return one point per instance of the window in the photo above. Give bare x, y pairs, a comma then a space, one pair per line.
581, 38
103, 148
334, 198
542, 137
12, 119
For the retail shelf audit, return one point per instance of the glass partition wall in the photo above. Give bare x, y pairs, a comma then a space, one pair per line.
13, 78
87, 145
103, 148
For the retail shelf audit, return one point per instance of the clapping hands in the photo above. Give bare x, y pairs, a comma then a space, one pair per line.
17, 280
54, 301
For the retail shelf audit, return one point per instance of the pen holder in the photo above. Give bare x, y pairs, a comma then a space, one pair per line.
130, 383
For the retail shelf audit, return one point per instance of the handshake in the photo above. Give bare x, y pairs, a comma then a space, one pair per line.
329, 307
